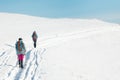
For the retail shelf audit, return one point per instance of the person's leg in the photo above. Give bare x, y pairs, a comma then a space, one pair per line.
22, 56
34, 44
19, 60
21, 64
34, 40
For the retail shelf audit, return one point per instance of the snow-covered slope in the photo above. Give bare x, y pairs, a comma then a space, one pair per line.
67, 49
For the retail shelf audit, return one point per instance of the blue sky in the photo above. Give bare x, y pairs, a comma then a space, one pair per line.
108, 10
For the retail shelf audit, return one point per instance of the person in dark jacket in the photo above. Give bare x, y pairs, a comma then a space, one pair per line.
34, 37
20, 50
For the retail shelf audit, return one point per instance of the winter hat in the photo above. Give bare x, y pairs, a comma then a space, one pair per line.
20, 38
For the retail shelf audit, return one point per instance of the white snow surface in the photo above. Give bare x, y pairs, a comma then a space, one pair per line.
67, 49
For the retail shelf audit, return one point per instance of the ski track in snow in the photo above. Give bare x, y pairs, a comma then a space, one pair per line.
31, 66
61, 38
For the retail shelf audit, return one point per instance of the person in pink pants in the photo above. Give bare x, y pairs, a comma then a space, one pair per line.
20, 50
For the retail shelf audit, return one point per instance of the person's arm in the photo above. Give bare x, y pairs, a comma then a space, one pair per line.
23, 46
36, 35
16, 48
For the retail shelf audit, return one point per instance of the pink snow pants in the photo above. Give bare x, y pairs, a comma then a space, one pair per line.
20, 56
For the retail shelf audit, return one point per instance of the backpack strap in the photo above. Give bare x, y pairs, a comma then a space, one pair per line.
19, 46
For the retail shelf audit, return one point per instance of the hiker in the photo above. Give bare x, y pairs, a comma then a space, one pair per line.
20, 50
34, 37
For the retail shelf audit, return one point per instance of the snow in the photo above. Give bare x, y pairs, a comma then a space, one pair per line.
67, 49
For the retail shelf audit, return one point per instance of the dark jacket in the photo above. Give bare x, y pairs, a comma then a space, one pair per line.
34, 36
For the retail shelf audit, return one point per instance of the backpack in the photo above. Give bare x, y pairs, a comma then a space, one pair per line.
19, 46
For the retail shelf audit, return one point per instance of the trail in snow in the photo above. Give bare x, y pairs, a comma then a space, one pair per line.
31, 65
